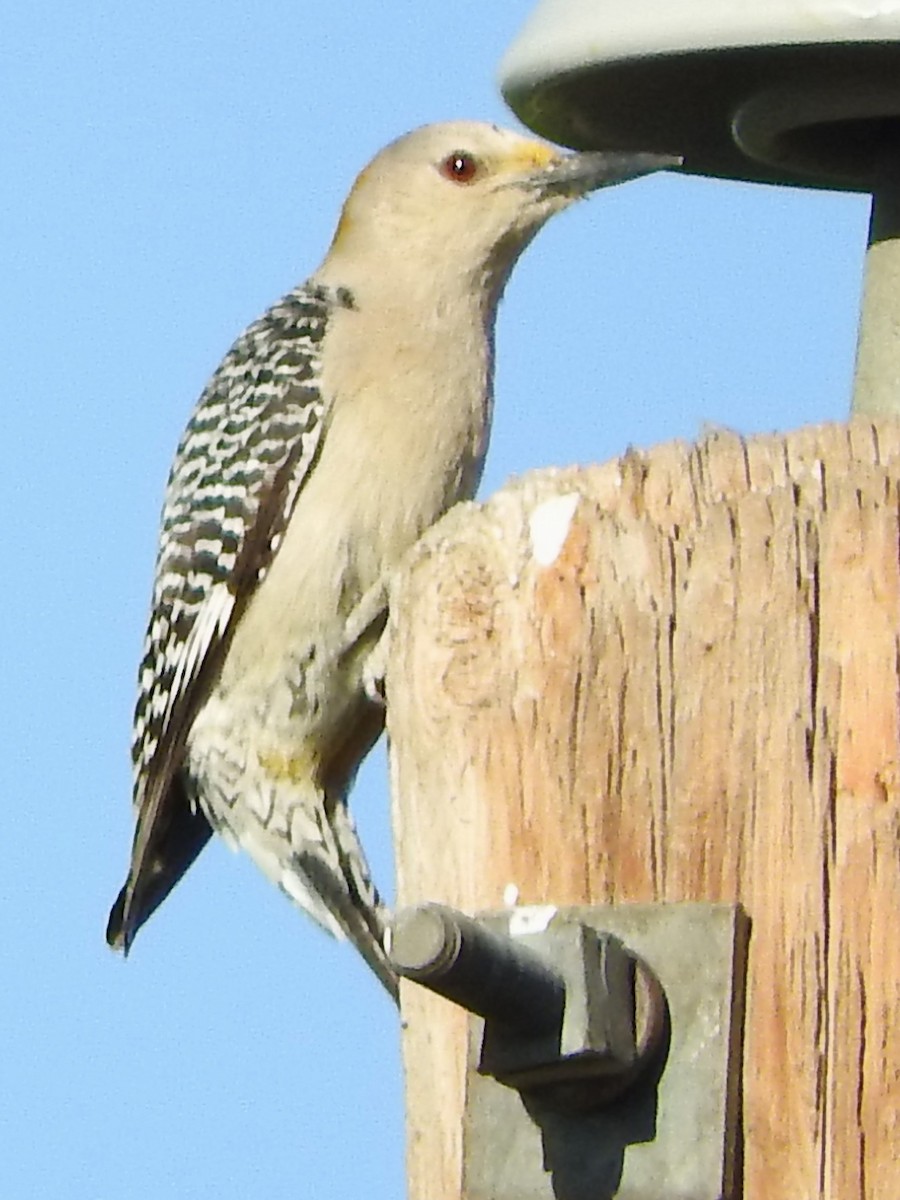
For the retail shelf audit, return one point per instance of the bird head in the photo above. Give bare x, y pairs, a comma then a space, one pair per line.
463, 199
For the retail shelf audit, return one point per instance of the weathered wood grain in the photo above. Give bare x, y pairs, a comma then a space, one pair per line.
695, 698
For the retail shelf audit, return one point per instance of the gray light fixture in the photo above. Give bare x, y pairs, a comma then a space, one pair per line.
801, 92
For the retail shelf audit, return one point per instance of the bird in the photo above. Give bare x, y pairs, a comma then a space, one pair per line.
340, 426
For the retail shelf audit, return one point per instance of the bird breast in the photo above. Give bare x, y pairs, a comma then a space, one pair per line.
405, 438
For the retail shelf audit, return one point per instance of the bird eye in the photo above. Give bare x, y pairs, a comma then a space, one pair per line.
459, 167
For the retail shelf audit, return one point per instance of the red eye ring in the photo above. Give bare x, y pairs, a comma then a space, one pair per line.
459, 167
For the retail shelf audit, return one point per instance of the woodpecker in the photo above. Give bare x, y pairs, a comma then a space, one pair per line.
338, 428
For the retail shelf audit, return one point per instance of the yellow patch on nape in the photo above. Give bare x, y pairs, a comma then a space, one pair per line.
344, 225
345, 220
286, 768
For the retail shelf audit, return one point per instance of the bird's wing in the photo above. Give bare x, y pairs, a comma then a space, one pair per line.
251, 443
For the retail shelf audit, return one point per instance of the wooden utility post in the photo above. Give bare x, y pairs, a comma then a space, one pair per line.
676, 677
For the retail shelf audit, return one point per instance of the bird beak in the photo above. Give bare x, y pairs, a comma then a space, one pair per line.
577, 174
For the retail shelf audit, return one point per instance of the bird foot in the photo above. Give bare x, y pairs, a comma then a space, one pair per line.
374, 670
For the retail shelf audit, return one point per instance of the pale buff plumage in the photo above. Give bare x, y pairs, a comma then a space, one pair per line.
364, 404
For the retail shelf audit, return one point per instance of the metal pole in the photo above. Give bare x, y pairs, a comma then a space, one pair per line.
876, 391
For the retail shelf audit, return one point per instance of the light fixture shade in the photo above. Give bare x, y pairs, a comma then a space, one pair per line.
772, 90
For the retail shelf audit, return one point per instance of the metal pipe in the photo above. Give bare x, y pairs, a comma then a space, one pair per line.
876, 390
486, 972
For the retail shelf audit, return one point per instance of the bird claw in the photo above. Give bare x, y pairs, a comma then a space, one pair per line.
374, 670
368, 612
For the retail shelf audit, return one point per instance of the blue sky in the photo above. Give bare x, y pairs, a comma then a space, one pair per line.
168, 171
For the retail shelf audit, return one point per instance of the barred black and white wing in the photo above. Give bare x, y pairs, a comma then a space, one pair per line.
250, 445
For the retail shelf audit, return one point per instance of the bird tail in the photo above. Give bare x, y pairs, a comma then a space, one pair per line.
354, 912
329, 878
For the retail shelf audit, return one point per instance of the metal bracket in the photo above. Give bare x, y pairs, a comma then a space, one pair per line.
605, 1058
